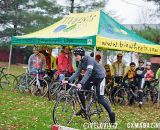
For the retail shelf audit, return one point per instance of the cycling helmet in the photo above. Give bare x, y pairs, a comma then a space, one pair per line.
79, 51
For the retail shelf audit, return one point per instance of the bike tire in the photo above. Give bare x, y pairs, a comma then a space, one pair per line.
97, 113
8, 81
120, 97
63, 110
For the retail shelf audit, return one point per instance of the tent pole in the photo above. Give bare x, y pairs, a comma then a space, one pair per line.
10, 55
95, 52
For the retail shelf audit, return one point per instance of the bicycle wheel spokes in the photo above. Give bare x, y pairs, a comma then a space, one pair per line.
97, 113
55, 88
8, 81
64, 110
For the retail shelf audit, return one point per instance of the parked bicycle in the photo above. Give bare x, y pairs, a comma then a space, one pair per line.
24, 81
7, 81
39, 85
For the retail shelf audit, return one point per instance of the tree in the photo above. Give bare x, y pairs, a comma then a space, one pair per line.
83, 5
157, 2
25, 16
149, 34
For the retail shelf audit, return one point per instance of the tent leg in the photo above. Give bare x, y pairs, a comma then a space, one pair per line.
95, 49
158, 102
10, 55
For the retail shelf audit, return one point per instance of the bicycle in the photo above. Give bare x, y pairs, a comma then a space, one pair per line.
24, 81
6, 80
127, 91
39, 85
65, 106
152, 92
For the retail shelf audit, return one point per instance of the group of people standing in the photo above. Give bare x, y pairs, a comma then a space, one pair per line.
141, 76
60, 66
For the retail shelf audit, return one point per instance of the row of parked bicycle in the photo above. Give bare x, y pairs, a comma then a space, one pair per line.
45, 86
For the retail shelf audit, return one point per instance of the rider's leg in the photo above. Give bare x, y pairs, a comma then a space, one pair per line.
102, 100
86, 86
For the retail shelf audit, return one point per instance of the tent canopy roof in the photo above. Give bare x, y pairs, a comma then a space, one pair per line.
87, 29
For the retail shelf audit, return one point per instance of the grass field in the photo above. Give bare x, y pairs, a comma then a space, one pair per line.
23, 111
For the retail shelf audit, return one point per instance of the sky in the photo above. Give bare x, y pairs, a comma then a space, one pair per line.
132, 13
129, 13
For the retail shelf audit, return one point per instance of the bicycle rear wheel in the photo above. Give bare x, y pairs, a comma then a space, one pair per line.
24, 82
97, 113
8, 81
63, 110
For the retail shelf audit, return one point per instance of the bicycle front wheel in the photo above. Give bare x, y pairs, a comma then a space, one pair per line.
39, 90
63, 110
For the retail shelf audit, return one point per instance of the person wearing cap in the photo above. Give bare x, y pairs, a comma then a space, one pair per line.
36, 62
98, 58
94, 72
64, 67
118, 68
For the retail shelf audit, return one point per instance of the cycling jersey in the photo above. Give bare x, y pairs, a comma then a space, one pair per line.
92, 68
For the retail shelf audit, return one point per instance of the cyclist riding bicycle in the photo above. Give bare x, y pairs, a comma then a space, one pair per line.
94, 73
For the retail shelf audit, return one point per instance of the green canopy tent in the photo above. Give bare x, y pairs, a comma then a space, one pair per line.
95, 29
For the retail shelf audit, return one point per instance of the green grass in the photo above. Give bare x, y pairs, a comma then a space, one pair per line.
23, 111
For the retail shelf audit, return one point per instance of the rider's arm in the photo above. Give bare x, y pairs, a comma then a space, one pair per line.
76, 74
88, 73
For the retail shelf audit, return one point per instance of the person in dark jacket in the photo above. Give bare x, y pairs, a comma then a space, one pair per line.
94, 72
140, 72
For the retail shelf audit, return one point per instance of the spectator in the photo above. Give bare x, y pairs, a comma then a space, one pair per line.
65, 67
118, 68
140, 72
36, 63
131, 72
130, 76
